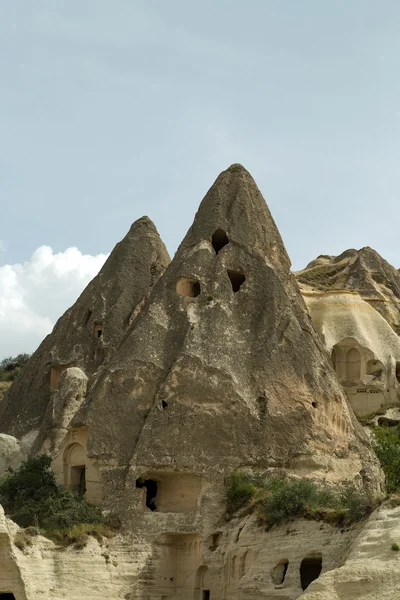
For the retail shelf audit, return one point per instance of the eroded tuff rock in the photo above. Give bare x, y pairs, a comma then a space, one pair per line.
363, 271
354, 305
88, 333
220, 368
371, 569
223, 368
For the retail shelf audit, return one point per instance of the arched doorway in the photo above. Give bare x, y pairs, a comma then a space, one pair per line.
201, 584
353, 364
75, 468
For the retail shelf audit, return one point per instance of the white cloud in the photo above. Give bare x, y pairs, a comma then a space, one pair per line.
34, 294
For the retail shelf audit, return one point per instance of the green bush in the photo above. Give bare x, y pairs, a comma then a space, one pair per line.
278, 500
395, 547
12, 366
386, 444
31, 497
290, 499
240, 490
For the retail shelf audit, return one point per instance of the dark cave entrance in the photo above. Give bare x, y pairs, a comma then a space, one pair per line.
151, 491
310, 569
7, 596
237, 280
219, 240
78, 480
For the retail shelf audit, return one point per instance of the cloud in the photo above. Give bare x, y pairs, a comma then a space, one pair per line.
34, 294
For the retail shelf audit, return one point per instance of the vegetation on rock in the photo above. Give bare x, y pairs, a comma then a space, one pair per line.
386, 444
278, 500
12, 366
30, 496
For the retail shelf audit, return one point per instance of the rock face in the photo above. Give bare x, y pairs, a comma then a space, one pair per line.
12, 453
371, 569
353, 302
224, 338
363, 271
217, 368
88, 334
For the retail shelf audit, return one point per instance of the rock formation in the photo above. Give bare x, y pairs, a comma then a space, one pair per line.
88, 334
211, 366
224, 337
371, 568
363, 271
353, 300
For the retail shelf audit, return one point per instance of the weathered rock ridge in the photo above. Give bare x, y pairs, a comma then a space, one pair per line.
160, 381
88, 333
363, 271
222, 368
353, 300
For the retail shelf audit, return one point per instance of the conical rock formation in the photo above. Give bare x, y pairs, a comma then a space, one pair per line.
89, 333
223, 368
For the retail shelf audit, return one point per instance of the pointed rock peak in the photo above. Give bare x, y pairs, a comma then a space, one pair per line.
143, 223
235, 208
89, 332
141, 244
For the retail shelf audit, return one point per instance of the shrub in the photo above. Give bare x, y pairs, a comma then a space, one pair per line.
386, 444
12, 366
241, 489
280, 499
31, 497
395, 547
295, 498
32, 482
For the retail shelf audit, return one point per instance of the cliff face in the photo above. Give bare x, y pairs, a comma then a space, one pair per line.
88, 334
363, 271
222, 368
211, 366
353, 300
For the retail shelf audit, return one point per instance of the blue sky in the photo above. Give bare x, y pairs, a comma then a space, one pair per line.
112, 110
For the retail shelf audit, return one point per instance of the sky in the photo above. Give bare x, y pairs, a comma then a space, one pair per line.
113, 110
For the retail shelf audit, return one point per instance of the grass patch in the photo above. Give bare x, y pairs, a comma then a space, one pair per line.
321, 276
278, 500
78, 535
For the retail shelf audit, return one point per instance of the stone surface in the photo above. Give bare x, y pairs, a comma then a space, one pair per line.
363, 271
12, 453
215, 366
371, 570
88, 334
353, 300
248, 359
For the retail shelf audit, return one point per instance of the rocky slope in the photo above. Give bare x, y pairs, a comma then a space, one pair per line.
363, 271
371, 568
215, 365
88, 334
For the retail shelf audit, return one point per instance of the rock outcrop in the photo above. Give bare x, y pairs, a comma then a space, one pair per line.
371, 569
353, 300
215, 365
88, 334
363, 271
225, 338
